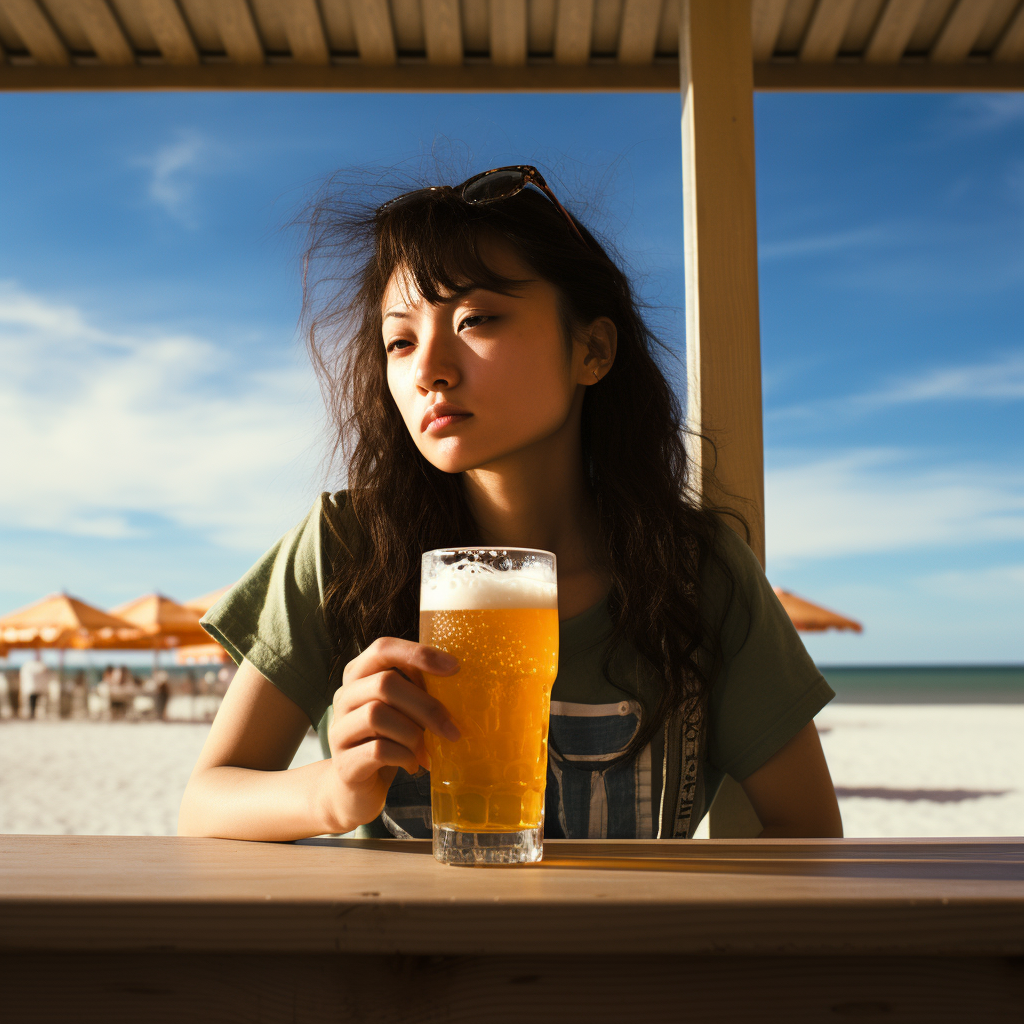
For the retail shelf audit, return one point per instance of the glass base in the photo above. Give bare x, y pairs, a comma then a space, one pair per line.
480, 848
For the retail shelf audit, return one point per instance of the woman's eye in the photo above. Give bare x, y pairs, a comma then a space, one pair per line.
473, 321
394, 345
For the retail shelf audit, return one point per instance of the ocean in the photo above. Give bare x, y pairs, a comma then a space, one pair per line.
926, 684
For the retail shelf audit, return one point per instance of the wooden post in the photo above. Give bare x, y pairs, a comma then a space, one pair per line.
723, 351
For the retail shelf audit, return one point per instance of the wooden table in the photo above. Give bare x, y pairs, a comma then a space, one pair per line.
167, 929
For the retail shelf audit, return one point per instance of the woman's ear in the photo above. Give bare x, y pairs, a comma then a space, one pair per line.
599, 340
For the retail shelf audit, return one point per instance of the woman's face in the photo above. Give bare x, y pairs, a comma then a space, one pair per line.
484, 375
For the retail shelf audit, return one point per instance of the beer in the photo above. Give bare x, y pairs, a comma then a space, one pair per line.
502, 625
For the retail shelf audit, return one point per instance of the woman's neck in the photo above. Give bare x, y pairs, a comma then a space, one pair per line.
538, 498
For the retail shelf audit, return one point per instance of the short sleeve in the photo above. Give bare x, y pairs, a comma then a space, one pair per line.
768, 688
273, 617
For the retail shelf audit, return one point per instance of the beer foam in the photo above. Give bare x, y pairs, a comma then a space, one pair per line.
468, 586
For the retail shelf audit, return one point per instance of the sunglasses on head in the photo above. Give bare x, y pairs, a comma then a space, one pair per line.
491, 186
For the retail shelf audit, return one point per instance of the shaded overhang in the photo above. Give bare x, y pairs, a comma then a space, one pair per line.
497, 45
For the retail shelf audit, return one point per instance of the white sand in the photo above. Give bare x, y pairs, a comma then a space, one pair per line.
117, 778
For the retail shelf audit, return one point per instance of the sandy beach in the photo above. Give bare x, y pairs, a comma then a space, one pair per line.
920, 770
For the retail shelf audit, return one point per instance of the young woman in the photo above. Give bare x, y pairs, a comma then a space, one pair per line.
493, 382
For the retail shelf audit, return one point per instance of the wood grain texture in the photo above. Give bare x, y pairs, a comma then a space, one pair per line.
170, 31
723, 354
238, 31
166, 987
766, 20
442, 27
638, 33
1011, 44
105, 35
305, 32
573, 27
508, 32
962, 27
893, 31
828, 896
38, 35
375, 34
826, 30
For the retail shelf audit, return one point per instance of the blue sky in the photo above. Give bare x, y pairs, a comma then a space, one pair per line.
159, 425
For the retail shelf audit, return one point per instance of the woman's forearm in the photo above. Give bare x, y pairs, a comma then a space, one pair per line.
223, 802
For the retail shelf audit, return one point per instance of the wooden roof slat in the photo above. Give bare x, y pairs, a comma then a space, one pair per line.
639, 32
893, 31
826, 30
604, 38
169, 31
442, 31
508, 32
1000, 15
574, 26
36, 31
341, 35
238, 31
962, 28
305, 31
375, 35
1011, 46
766, 21
104, 32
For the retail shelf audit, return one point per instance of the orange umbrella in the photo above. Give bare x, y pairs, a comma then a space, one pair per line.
812, 618
209, 652
63, 621
162, 622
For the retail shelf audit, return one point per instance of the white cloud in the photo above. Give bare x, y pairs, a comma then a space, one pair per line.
1000, 379
99, 428
832, 242
876, 500
172, 170
989, 112
993, 583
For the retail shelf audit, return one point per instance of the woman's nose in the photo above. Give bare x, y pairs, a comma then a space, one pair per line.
436, 369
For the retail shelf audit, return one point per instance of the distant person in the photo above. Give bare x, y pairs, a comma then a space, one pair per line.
162, 694
35, 679
492, 380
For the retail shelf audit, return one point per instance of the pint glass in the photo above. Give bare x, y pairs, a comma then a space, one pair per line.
496, 610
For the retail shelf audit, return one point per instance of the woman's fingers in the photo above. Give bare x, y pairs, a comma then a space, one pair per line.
376, 720
390, 652
362, 762
390, 687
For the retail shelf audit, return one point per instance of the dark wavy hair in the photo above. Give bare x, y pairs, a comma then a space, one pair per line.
656, 539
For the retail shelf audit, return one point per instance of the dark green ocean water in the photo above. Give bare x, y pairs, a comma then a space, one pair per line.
932, 684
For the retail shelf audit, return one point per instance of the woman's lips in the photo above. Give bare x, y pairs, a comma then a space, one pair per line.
438, 423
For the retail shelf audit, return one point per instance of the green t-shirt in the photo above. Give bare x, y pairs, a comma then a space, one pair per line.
766, 690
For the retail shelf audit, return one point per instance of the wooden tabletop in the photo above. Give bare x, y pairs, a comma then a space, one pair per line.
934, 897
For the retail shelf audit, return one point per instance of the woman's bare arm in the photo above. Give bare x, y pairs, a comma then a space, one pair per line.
792, 792
239, 788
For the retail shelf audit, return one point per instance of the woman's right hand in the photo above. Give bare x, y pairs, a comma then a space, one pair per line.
381, 712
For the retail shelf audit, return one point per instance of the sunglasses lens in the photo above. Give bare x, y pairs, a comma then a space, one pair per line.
499, 185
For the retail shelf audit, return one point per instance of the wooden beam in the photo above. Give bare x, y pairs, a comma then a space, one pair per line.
893, 30
375, 34
37, 33
723, 347
825, 33
850, 76
238, 31
305, 32
723, 354
103, 31
1011, 45
442, 29
638, 34
961, 31
574, 26
412, 76
508, 32
170, 31
766, 21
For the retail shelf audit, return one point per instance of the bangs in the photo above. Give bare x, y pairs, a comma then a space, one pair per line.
437, 238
